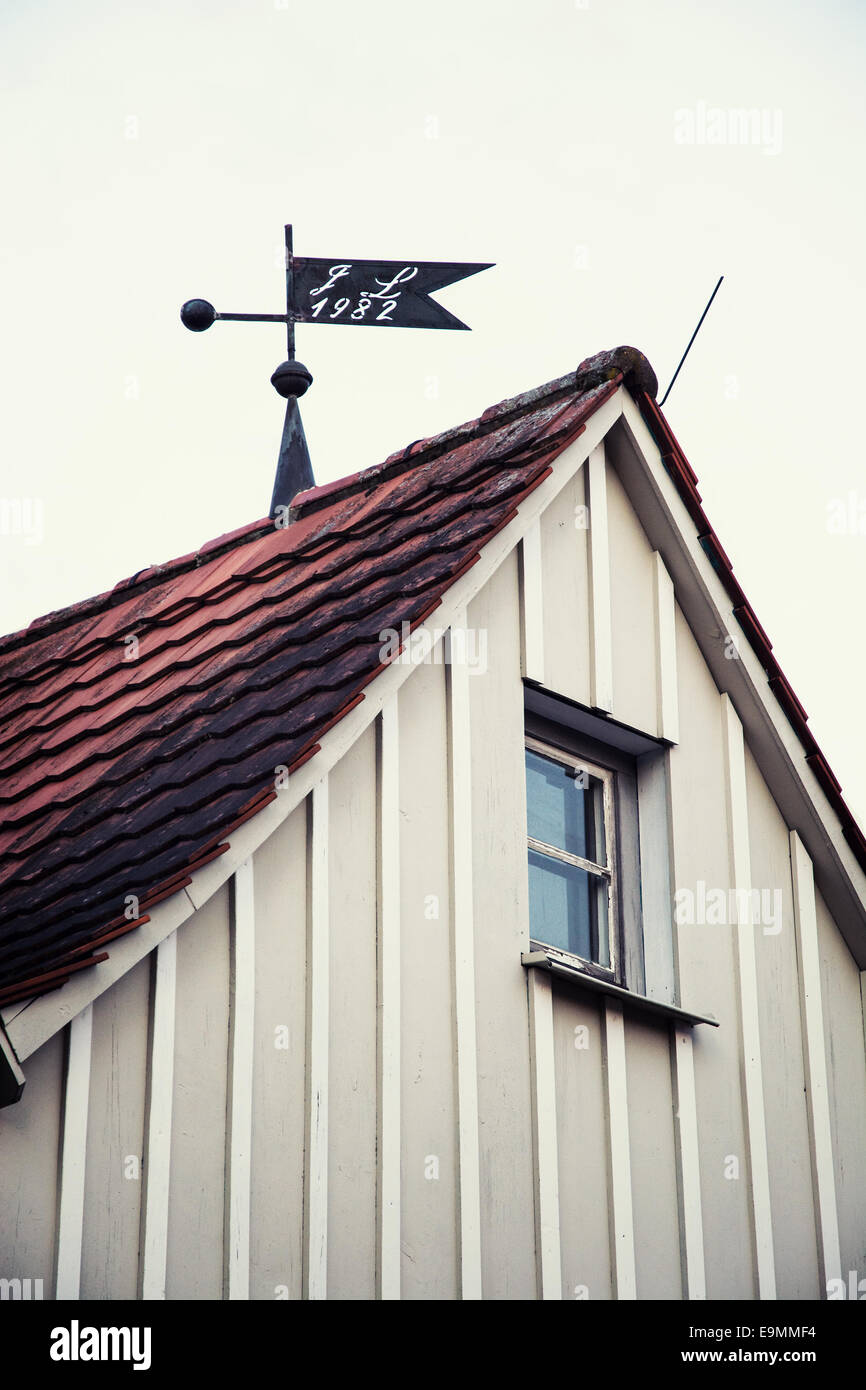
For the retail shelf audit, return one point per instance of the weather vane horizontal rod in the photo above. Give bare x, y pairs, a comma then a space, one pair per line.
255, 318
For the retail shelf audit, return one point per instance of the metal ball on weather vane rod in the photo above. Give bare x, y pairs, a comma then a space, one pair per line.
197, 315
291, 379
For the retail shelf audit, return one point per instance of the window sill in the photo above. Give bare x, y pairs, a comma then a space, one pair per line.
563, 969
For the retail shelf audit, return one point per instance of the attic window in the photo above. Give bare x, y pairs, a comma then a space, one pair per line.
572, 855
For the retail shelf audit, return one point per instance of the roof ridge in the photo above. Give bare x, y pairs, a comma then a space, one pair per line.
599, 370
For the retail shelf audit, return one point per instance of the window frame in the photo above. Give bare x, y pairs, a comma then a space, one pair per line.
569, 758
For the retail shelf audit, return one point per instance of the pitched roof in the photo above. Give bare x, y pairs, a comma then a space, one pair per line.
138, 729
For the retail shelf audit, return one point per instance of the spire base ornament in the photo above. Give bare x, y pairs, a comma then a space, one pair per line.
291, 379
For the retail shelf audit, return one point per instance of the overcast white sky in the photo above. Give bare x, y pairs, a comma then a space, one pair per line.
153, 152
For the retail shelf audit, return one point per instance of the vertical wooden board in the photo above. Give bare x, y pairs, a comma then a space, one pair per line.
352, 1050
666, 651
633, 621
29, 1158
389, 1006
656, 897
565, 586
277, 1175
115, 1138
785, 1108
738, 912
707, 969
846, 1064
239, 1116
548, 1244
428, 1099
652, 1140
195, 1262
156, 1177
73, 1156
531, 604
601, 677
688, 1164
581, 1122
463, 982
501, 910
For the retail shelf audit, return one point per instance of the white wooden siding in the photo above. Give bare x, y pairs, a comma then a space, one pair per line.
816, 1089
840, 992
70, 1222
691, 1225
782, 1049
197, 1225
546, 1153
460, 764
706, 956
740, 881
620, 1198
318, 1050
114, 1178
390, 999
157, 1154
279, 1064
352, 1119
532, 605
439, 1140
242, 1015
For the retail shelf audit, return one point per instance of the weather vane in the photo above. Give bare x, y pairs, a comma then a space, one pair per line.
366, 294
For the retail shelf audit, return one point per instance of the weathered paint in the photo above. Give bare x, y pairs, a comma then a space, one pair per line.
707, 975
352, 1046
633, 613
501, 934
279, 1062
582, 1144
430, 1152
30, 1139
115, 1140
785, 1103
652, 1160
196, 1203
565, 583
840, 989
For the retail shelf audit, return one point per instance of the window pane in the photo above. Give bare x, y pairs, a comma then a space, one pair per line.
565, 809
568, 908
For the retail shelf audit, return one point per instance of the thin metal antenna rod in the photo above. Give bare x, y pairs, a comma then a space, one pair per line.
691, 340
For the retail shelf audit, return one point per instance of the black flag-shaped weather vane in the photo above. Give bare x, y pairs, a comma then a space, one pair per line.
363, 294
